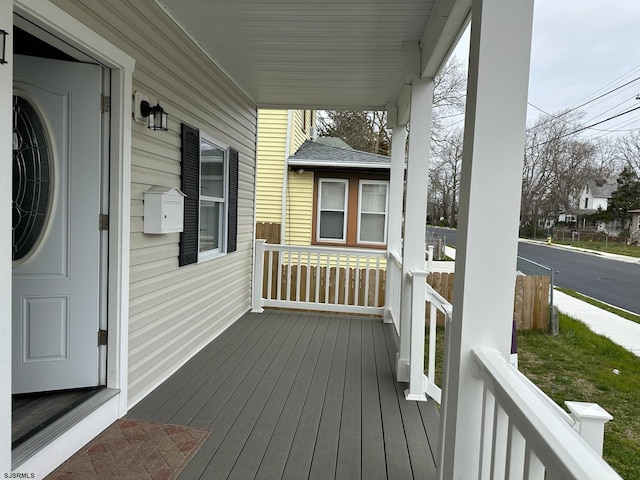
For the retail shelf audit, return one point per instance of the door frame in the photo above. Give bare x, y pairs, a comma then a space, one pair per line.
65, 27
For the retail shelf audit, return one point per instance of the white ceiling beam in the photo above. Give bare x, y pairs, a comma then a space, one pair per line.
404, 105
446, 24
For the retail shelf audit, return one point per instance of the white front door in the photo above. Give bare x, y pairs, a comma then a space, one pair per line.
56, 245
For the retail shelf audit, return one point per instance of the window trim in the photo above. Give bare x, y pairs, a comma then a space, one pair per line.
345, 211
223, 226
364, 181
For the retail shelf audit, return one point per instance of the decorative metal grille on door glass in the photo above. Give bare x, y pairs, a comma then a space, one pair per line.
32, 178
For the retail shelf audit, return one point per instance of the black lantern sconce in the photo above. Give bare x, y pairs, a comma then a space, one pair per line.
3, 46
156, 116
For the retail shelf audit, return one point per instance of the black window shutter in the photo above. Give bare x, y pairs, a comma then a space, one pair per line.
191, 187
232, 221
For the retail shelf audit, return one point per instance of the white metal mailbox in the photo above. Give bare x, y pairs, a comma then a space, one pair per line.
163, 210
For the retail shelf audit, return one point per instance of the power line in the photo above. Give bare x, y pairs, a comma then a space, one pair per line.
587, 126
588, 101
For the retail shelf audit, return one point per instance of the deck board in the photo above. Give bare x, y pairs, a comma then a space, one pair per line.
349, 449
298, 395
325, 453
169, 393
373, 456
396, 452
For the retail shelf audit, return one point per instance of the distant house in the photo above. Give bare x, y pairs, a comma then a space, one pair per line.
594, 197
350, 193
596, 194
326, 193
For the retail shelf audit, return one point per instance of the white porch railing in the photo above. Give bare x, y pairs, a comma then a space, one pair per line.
333, 279
393, 290
421, 385
524, 435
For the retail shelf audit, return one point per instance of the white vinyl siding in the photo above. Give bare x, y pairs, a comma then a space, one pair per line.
332, 209
373, 201
174, 312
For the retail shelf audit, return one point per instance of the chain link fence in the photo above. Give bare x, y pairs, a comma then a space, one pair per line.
528, 267
438, 243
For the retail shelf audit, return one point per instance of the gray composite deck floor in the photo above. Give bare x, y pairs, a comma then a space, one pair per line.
298, 395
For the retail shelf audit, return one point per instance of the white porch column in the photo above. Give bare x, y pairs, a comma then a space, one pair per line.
6, 156
416, 208
396, 194
491, 183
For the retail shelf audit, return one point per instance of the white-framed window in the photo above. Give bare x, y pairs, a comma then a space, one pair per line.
373, 201
213, 198
332, 210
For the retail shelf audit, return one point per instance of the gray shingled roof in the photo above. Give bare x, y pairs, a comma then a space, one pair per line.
334, 142
319, 154
602, 188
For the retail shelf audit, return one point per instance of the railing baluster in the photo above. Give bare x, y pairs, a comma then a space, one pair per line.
336, 287
298, 281
278, 277
318, 273
347, 279
533, 468
356, 292
366, 283
433, 312
377, 282
499, 442
270, 277
289, 260
486, 430
515, 453
307, 296
326, 280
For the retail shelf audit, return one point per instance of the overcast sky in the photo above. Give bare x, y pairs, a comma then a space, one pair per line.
581, 49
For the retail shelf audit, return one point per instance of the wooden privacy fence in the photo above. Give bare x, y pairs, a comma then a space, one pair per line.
361, 287
269, 232
530, 306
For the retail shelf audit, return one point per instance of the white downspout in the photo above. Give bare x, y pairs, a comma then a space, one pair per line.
285, 177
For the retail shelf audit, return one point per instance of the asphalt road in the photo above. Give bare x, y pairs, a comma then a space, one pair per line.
611, 281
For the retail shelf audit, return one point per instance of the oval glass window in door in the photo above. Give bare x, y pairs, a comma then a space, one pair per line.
32, 178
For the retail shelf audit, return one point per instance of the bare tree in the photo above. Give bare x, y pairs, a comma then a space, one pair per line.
367, 130
444, 178
558, 164
628, 149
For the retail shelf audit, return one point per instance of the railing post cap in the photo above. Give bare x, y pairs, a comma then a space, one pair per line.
588, 411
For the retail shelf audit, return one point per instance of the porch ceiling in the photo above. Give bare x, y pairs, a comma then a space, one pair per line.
331, 54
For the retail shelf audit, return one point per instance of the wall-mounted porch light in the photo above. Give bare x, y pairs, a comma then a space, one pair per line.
3, 46
156, 116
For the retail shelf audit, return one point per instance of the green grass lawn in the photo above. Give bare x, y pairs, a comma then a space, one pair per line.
609, 247
578, 365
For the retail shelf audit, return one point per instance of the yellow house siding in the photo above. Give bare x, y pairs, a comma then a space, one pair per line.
272, 136
299, 208
272, 144
298, 134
